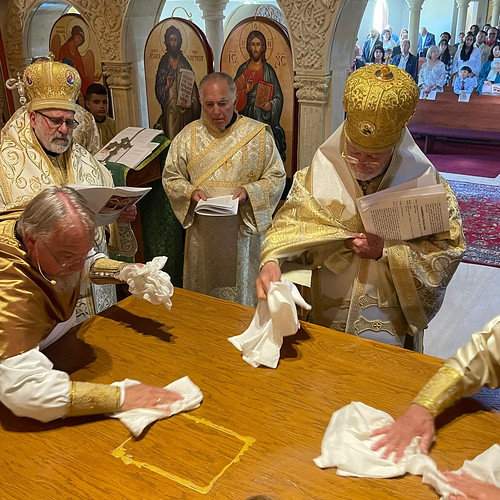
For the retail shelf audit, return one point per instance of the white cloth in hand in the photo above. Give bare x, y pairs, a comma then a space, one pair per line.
149, 282
136, 420
347, 445
274, 319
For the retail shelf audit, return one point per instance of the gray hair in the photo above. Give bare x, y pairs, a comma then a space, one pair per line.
52, 206
430, 50
219, 77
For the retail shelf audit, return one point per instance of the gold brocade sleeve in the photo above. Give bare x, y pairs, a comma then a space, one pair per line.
264, 188
103, 271
302, 223
422, 268
442, 390
93, 399
473, 366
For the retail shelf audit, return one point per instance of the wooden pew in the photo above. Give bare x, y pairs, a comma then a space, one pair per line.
477, 119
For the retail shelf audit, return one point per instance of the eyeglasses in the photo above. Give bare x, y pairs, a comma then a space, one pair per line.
65, 263
57, 122
354, 161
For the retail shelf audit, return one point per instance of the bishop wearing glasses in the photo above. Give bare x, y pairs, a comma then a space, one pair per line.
360, 284
37, 150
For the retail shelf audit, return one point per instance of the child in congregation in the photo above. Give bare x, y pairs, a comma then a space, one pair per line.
465, 83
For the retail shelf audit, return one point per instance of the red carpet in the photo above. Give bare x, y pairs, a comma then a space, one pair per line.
479, 166
450, 147
465, 158
480, 208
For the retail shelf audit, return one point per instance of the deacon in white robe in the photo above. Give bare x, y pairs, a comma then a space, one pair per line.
223, 154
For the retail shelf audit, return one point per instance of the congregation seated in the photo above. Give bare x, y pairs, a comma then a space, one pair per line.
378, 55
489, 73
387, 41
446, 57
467, 55
465, 83
432, 75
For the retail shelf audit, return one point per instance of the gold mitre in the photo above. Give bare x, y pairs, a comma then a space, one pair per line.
51, 85
379, 101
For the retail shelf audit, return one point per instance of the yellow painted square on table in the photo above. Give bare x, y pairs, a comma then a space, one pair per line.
191, 451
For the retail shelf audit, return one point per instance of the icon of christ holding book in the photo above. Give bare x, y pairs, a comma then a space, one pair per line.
259, 94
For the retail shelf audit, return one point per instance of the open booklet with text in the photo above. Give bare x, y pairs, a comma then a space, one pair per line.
109, 202
410, 210
129, 147
218, 206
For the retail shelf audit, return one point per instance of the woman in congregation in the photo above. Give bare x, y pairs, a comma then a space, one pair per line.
387, 41
403, 35
490, 72
467, 55
446, 58
432, 74
378, 55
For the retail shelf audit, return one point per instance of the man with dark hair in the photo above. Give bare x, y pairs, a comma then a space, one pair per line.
258, 90
447, 36
481, 45
96, 101
46, 250
223, 154
174, 79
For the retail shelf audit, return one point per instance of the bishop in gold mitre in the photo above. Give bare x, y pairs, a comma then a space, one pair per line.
38, 150
361, 284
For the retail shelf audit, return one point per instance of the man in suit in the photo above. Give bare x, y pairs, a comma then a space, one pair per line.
369, 45
406, 61
425, 40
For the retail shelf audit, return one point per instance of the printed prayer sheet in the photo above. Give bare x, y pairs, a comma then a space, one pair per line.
404, 212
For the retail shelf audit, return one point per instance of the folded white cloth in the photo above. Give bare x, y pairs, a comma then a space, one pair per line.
274, 319
149, 282
136, 420
347, 445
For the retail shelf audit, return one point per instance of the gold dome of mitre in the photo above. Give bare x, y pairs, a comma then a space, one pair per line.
51, 85
379, 101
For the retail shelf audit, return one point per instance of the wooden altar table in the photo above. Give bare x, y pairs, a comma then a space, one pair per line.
257, 429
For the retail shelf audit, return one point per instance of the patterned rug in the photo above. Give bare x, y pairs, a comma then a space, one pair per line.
480, 207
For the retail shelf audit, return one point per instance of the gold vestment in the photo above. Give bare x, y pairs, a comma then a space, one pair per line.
474, 365
30, 308
222, 253
26, 169
382, 299
107, 130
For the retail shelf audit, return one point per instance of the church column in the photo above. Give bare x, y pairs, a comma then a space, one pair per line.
213, 14
312, 94
462, 15
414, 8
495, 12
119, 79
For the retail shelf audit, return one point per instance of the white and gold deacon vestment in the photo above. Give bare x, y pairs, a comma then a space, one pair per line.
474, 365
383, 299
32, 315
222, 253
26, 169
